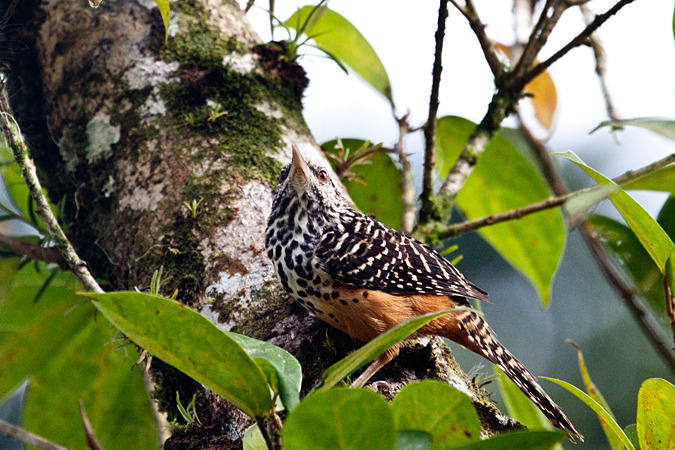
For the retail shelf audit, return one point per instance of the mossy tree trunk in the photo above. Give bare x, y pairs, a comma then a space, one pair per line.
165, 154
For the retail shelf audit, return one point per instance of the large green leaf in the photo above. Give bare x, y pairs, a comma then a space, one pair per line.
191, 343
339, 38
651, 235
530, 440
287, 367
598, 409
377, 190
340, 419
65, 350
359, 358
438, 409
656, 415
503, 180
665, 128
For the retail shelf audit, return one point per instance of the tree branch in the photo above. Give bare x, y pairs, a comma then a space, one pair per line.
428, 210
600, 62
407, 188
26, 437
32, 251
478, 28
15, 141
580, 39
538, 37
551, 202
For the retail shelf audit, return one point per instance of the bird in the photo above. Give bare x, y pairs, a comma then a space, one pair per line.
364, 278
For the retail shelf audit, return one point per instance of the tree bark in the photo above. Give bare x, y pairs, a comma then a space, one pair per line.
166, 154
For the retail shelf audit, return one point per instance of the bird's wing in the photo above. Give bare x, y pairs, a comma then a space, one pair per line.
376, 257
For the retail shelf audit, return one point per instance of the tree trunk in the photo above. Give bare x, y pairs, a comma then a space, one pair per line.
165, 154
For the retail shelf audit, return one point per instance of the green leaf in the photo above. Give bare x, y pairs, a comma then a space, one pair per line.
631, 432
339, 38
596, 395
192, 344
438, 409
632, 259
651, 235
340, 419
661, 180
666, 217
359, 358
377, 190
530, 440
65, 350
413, 440
519, 406
288, 368
599, 410
503, 180
656, 415
165, 12
665, 128
253, 439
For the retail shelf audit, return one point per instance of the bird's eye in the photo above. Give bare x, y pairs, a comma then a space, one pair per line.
323, 176
283, 175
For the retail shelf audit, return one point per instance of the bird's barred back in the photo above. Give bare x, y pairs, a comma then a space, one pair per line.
365, 253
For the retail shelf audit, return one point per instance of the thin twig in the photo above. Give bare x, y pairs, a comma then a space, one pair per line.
407, 187
538, 38
427, 210
609, 271
628, 296
478, 28
26, 437
551, 202
15, 141
580, 39
600, 63
32, 251
89, 434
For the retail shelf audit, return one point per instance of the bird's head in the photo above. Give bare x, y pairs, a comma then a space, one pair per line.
310, 184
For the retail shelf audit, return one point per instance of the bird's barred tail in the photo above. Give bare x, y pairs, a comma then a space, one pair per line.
478, 333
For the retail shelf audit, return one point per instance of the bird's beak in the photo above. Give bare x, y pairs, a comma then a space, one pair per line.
300, 171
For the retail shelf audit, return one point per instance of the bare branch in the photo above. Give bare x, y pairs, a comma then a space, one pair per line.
600, 62
428, 210
551, 202
32, 251
12, 134
580, 39
478, 28
26, 437
407, 188
539, 36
